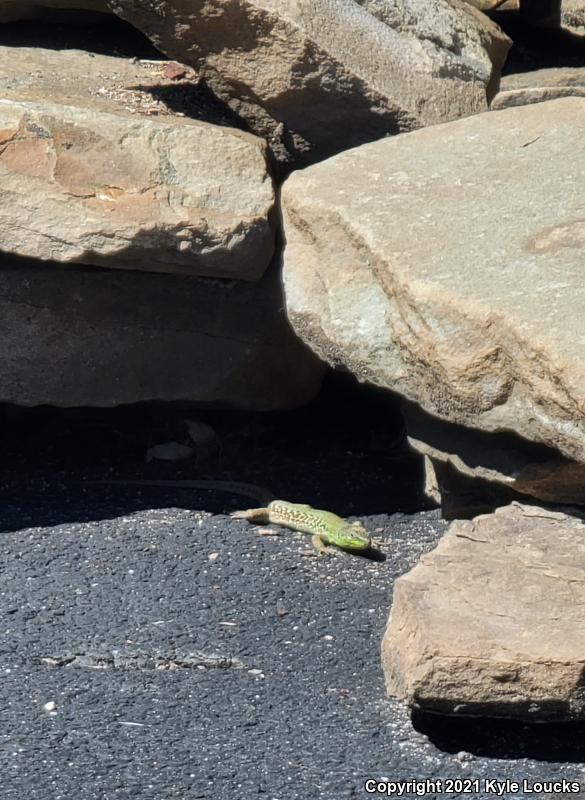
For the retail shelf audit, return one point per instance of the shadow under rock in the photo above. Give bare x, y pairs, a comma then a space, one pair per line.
103, 34
343, 452
196, 101
539, 48
504, 738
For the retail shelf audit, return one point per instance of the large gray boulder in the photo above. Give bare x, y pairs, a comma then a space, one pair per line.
318, 76
94, 171
431, 264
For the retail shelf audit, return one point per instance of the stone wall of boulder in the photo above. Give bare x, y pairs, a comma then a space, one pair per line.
402, 255
163, 166
317, 77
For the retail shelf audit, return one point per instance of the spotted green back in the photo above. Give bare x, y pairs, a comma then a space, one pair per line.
331, 528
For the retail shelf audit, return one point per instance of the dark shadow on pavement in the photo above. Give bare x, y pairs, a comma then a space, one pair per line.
344, 453
504, 738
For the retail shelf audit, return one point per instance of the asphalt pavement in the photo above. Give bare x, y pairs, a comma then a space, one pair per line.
152, 647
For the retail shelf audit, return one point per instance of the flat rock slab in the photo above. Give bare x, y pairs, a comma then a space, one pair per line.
86, 337
123, 86
536, 86
318, 76
491, 622
430, 264
499, 459
87, 179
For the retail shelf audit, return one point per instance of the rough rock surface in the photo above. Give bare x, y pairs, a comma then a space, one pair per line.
317, 76
573, 14
491, 621
430, 264
123, 86
536, 86
91, 337
87, 178
462, 497
500, 459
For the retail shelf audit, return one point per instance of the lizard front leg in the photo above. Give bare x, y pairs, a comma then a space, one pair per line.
321, 547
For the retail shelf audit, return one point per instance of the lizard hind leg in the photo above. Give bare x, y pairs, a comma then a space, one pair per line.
253, 514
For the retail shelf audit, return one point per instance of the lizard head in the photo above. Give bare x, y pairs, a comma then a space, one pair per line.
357, 536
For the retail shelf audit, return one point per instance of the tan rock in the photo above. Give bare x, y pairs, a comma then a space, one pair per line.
315, 77
461, 495
520, 89
123, 86
492, 462
490, 623
430, 265
573, 14
87, 337
87, 178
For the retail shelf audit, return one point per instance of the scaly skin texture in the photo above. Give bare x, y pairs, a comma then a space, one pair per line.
327, 528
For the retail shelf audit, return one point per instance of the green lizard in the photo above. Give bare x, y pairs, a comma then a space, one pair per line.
326, 528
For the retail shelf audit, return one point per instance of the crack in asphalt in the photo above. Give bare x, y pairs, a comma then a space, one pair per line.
116, 660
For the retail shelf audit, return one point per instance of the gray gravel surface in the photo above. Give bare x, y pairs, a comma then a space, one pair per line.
188, 656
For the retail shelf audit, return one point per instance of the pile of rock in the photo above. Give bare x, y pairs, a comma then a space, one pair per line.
433, 245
